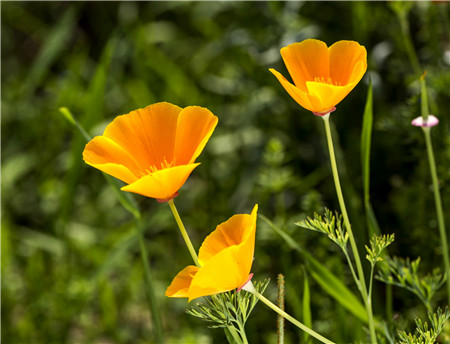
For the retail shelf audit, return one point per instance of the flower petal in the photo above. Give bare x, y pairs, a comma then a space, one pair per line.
148, 134
234, 231
194, 128
107, 156
311, 103
329, 95
348, 62
181, 283
162, 184
227, 270
306, 60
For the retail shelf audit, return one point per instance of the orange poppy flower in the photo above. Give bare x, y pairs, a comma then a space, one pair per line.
225, 258
153, 149
322, 76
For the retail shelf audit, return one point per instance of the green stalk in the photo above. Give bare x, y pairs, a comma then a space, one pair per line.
151, 299
250, 288
235, 338
242, 332
183, 232
362, 284
438, 202
437, 195
402, 15
280, 319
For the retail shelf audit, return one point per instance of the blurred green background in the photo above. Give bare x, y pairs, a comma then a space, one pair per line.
71, 269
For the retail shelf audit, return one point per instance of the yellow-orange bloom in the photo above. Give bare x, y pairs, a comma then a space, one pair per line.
225, 257
153, 149
322, 76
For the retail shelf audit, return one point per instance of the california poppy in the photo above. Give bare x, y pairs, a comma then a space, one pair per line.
322, 75
225, 258
152, 149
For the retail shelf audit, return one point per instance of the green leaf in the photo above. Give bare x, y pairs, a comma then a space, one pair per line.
366, 137
329, 282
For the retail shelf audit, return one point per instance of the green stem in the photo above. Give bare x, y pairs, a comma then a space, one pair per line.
410, 51
280, 319
242, 332
250, 288
234, 334
362, 283
183, 232
438, 202
372, 268
350, 264
151, 299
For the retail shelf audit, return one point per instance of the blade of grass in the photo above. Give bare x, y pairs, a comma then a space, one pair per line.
329, 282
366, 137
371, 221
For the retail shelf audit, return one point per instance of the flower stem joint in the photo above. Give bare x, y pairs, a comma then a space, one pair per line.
164, 200
248, 281
321, 114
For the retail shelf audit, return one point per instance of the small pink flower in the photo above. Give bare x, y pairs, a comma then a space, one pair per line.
430, 122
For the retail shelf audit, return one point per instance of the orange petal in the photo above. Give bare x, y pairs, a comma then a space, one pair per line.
194, 128
311, 103
107, 156
227, 270
148, 134
348, 62
161, 184
234, 231
329, 95
306, 60
182, 281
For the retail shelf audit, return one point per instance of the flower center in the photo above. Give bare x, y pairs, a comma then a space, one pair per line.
327, 80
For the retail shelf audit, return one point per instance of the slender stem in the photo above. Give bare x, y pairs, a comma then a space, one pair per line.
371, 281
410, 51
287, 316
151, 299
280, 319
183, 232
363, 288
438, 202
350, 264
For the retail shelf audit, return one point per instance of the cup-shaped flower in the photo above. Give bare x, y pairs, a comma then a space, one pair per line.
322, 75
225, 258
153, 149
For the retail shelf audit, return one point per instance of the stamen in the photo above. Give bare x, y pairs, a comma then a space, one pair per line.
152, 169
328, 81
